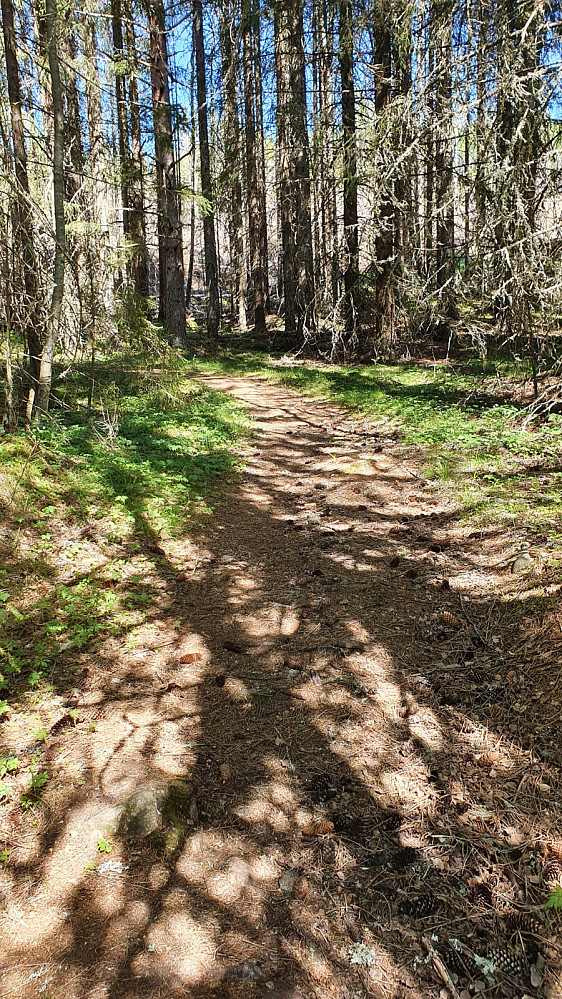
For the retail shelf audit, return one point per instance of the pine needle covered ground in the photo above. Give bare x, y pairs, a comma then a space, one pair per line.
280, 708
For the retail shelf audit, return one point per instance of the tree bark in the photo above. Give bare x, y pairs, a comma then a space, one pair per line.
384, 247
440, 41
170, 230
73, 140
258, 281
29, 320
287, 256
329, 206
350, 211
54, 324
261, 165
211, 264
232, 160
404, 215
296, 222
137, 226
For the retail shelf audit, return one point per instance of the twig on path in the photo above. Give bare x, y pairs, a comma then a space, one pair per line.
440, 967
471, 622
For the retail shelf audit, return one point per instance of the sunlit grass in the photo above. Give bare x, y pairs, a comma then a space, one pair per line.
134, 470
471, 439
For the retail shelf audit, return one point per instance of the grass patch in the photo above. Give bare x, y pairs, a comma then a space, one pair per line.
88, 501
468, 426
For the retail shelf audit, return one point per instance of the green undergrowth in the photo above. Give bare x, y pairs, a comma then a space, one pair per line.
468, 427
96, 502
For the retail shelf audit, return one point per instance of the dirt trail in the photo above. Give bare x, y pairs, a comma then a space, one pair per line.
349, 794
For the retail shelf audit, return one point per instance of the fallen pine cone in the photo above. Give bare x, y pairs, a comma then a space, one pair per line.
321, 828
522, 922
449, 619
552, 874
507, 961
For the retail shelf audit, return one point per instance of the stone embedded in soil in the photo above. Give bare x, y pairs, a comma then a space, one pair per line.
145, 812
288, 879
522, 563
140, 815
250, 972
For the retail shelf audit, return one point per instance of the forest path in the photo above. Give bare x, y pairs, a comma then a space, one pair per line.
348, 794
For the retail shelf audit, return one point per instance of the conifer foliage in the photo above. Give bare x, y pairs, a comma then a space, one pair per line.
338, 175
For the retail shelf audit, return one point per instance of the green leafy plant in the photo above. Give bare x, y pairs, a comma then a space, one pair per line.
8, 765
4, 856
554, 900
39, 779
105, 845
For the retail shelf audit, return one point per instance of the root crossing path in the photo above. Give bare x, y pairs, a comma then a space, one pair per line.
280, 790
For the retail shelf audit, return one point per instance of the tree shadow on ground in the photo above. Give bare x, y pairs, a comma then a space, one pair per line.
321, 695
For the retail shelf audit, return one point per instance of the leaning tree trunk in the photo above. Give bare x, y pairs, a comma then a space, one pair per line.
53, 329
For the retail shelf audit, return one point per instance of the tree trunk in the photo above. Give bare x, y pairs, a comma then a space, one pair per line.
325, 245
170, 232
326, 46
440, 41
480, 138
384, 248
404, 216
28, 313
232, 158
121, 105
258, 282
298, 263
260, 149
350, 212
211, 265
287, 257
137, 227
53, 328
73, 142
